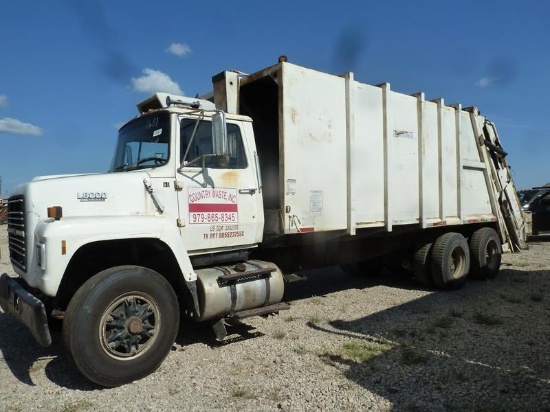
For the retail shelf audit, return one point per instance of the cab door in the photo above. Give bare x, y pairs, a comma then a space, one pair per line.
220, 204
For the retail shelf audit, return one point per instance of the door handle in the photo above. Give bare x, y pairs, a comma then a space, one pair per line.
247, 191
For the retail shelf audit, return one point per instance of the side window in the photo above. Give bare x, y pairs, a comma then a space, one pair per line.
199, 151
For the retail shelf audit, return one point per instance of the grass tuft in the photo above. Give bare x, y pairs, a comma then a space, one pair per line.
314, 318
279, 334
241, 393
445, 322
77, 406
361, 351
300, 350
316, 300
173, 390
410, 356
456, 313
486, 319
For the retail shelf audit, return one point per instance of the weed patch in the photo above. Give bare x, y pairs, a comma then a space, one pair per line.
314, 318
316, 300
172, 391
242, 393
39, 365
410, 356
77, 406
456, 313
300, 350
279, 334
482, 318
445, 322
361, 351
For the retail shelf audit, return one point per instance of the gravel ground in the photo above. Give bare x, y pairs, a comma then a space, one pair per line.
378, 344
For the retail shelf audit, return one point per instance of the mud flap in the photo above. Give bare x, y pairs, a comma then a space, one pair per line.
16, 301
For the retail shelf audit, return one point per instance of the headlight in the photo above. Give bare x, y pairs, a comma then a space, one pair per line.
41, 255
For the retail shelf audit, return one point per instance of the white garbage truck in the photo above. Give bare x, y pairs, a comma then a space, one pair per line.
211, 204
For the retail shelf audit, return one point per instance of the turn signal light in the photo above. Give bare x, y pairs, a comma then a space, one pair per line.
56, 212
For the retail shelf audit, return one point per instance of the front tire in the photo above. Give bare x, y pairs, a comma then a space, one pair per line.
121, 324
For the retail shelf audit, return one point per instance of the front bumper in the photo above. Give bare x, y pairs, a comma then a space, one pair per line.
17, 301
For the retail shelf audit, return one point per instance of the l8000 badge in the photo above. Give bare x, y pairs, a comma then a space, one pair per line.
91, 196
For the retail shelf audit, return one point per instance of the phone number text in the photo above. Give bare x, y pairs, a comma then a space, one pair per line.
214, 217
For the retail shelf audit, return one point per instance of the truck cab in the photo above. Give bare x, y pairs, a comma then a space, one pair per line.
209, 188
171, 224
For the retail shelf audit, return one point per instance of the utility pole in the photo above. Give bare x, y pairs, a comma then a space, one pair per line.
0, 186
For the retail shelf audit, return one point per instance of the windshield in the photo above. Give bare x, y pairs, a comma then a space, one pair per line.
143, 143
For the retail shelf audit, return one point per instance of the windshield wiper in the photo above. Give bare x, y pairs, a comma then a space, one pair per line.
121, 167
137, 165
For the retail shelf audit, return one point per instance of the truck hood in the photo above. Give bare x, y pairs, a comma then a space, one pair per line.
59, 176
108, 194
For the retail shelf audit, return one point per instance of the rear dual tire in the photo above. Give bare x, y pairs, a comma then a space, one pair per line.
443, 264
447, 262
422, 265
450, 261
486, 252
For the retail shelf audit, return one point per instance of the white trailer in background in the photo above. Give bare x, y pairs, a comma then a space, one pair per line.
210, 205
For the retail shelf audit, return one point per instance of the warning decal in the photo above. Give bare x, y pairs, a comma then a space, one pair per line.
208, 205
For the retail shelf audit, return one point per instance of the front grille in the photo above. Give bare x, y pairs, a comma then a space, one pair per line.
16, 232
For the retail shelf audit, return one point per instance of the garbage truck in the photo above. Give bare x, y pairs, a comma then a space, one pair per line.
213, 203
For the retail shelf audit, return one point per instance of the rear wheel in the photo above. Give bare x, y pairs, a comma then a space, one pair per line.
486, 252
422, 265
121, 324
450, 261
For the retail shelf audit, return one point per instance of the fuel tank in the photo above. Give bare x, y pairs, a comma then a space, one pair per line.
226, 290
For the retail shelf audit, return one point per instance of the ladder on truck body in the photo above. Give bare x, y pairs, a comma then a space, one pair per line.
502, 191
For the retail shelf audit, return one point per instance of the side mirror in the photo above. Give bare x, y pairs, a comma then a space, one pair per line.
219, 134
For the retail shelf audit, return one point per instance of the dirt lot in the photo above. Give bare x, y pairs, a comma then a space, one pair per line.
351, 344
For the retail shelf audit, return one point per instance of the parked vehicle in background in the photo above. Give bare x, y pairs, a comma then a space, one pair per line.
3, 210
538, 203
526, 195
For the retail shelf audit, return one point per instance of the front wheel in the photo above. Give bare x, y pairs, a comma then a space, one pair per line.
120, 325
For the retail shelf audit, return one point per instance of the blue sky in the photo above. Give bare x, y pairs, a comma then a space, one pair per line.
72, 71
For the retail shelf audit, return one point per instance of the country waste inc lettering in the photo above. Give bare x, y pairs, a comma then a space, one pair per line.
207, 206
199, 195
